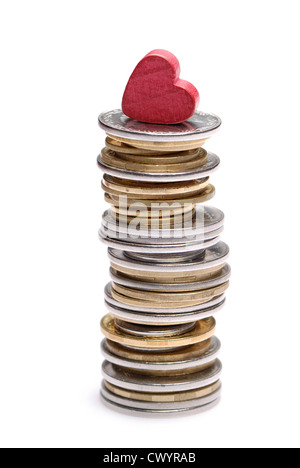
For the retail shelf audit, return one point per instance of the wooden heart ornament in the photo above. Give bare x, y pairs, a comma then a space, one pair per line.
156, 94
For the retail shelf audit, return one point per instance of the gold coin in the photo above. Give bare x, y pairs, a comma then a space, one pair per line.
151, 215
171, 373
204, 329
164, 397
206, 194
146, 371
161, 146
130, 151
120, 147
129, 301
180, 157
176, 355
174, 278
111, 159
159, 222
148, 189
163, 300
162, 193
137, 280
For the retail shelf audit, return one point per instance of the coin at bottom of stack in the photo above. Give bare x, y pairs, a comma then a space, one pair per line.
134, 405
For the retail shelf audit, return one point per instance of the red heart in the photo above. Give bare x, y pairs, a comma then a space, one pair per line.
155, 94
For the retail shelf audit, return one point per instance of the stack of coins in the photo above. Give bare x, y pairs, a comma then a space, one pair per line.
168, 266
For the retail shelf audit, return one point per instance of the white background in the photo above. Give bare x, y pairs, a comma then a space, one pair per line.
62, 63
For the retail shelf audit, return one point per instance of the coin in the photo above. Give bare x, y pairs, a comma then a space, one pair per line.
165, 248
203, 330
158, 147
132, 282
132, 411
158, 223
207, 193
201, 125
111, 158
124, 378
162, 330
166, 278
160, 407
206, 219
170, 301
213, 256
120, 147
132, 236
161, 317
164, 397
165, 258
171, 372
163, 356
200, 172
165, 297
151, 309
161, 215
142, 156
182, 359
149, 190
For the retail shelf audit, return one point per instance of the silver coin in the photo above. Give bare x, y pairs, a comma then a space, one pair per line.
157, 318
222, 277
205, 170
150, 331
135, 238
208, 356
188, 246
161, 384
149, 406
200, 126
123, 410
181, 257
206, 220
213, 256
151, 310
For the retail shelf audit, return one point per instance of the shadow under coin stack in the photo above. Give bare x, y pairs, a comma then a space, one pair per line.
168, 266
